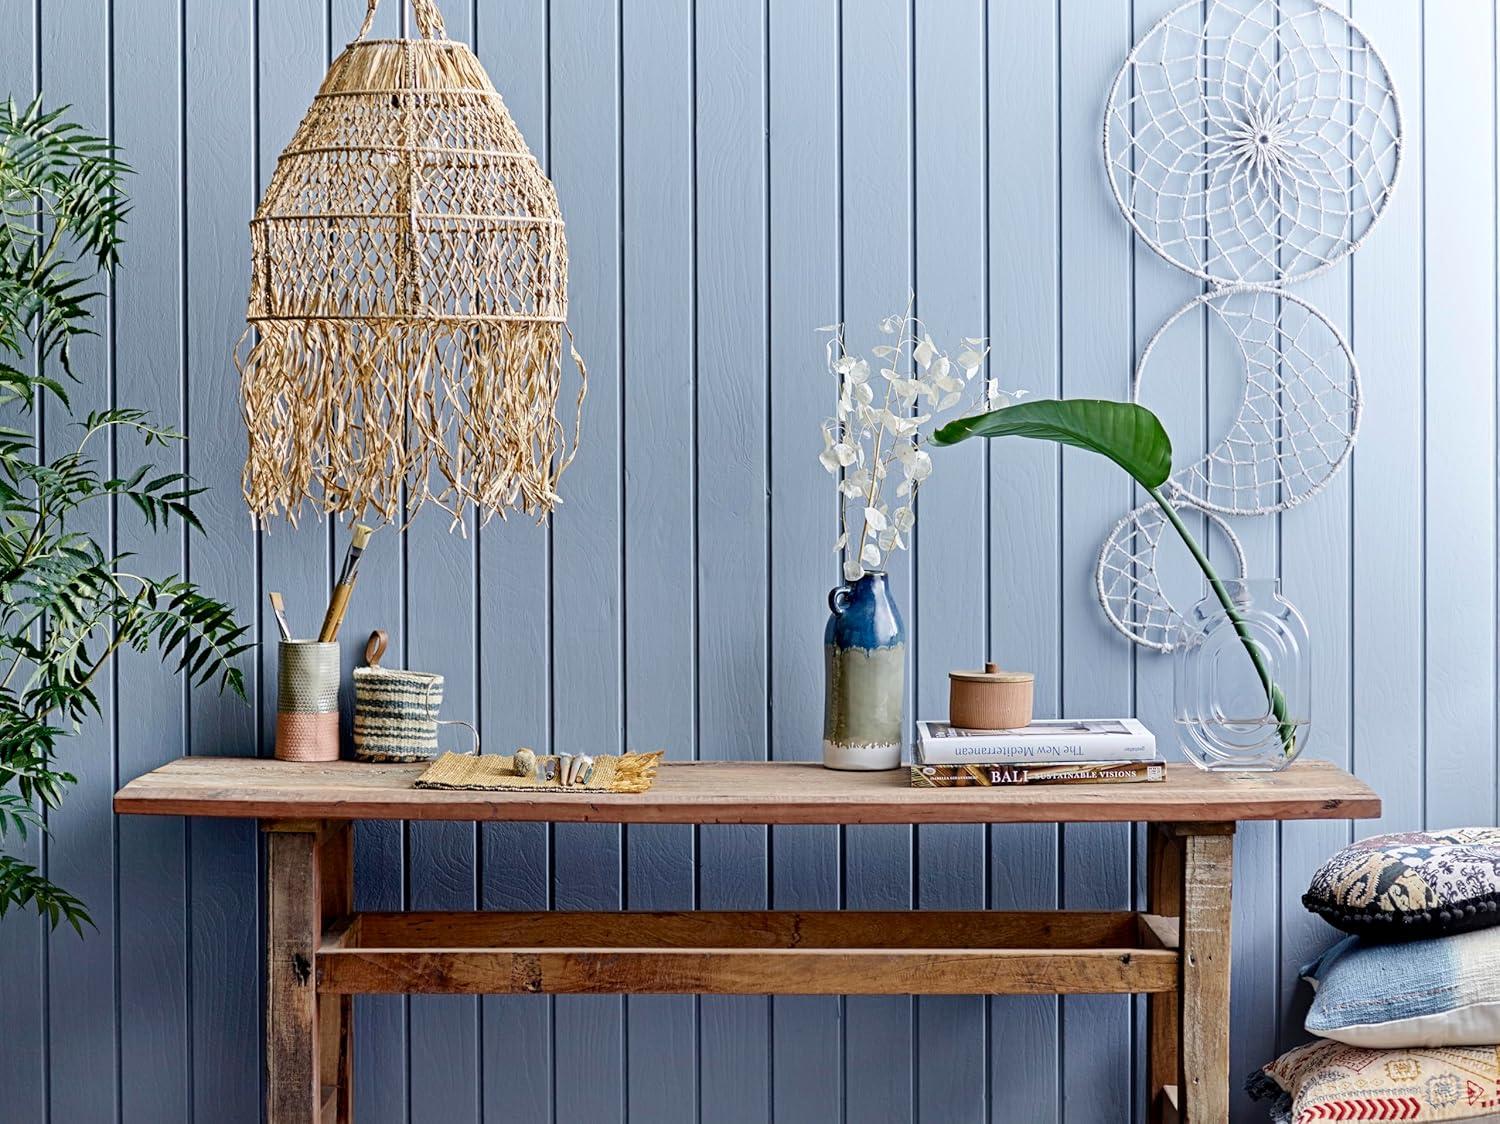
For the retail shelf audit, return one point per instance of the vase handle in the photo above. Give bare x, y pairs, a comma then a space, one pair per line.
838, 599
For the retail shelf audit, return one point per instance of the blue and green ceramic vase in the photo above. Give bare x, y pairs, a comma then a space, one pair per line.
864, 657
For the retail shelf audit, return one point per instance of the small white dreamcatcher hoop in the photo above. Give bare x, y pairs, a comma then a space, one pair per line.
1128, 584
1300, 413
1253, 140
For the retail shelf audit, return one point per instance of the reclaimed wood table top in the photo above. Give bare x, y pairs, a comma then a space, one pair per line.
738, 792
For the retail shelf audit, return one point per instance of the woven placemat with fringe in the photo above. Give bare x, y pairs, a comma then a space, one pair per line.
631, 772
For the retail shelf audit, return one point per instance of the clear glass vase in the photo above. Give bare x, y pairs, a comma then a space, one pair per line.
1237, 710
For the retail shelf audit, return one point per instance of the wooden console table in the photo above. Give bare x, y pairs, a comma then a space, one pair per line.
320, 952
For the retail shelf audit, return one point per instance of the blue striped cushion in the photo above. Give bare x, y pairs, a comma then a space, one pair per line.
1439, 992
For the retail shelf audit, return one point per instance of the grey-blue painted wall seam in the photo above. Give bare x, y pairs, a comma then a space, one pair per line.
112, 294
1495, 313
184, 347
1059, 851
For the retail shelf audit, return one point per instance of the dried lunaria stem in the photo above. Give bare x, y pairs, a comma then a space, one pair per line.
408, 299
887, 404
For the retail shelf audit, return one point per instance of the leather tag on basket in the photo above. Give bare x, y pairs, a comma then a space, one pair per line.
630, 772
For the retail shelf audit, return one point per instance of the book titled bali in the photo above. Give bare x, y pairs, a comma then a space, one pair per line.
985, 776
1045, 741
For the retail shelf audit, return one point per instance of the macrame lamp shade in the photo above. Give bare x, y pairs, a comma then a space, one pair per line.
408, 297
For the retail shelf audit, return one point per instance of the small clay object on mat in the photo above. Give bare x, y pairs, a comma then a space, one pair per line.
524, 762
630, 772
585, 770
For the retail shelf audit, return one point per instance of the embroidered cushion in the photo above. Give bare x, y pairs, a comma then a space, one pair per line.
1439, 992
1410, 885
1332, 1081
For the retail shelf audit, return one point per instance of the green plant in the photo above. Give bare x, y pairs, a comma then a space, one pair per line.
67, 602
1134, 438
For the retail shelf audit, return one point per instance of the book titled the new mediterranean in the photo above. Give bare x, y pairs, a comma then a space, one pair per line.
985, 776
1045, 741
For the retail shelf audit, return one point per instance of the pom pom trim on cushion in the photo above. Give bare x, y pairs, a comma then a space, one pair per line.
1459, 917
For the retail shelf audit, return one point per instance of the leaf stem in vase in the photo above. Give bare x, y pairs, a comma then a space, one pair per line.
1274, 695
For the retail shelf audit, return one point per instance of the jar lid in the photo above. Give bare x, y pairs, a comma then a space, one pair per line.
992, 674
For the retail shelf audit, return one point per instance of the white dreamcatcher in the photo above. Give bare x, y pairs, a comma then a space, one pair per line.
1251, 143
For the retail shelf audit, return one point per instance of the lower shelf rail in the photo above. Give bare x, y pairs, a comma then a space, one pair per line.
757, 952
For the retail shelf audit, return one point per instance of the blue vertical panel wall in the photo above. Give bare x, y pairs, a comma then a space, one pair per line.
440, 565
514, 703
948, 609
735, 175
153, 1036
588, 611
1025, 497
1316, 566
875, 144
1389, 574
1459, 409
805, 236
731, 437
220, 187
1096, 668
661, 707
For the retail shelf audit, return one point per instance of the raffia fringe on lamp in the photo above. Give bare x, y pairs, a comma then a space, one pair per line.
408, 297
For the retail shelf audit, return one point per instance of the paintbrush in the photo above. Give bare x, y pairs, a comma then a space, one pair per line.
339, 602
278, 606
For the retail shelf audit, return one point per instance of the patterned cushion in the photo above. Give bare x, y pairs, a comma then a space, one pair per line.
1439, 992
1413, 884
1332, 1081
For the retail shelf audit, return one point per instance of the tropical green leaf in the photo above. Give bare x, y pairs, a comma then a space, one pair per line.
1133, 437
21, 884
1130, 435
17, 815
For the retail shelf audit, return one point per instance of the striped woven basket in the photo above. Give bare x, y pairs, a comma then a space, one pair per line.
395, 711
395, 714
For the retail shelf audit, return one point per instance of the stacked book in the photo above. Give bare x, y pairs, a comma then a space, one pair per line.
1049, 751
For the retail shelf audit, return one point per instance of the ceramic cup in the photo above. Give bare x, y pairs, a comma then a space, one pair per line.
307, 701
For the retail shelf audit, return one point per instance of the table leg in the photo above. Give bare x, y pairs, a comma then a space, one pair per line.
1164, 898
336, 1012
307, 1042
1207, 871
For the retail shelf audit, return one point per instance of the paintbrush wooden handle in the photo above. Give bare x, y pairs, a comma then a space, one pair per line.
334, 618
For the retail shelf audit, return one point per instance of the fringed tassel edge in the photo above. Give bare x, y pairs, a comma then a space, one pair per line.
635, 772
1263, 1087
345, 414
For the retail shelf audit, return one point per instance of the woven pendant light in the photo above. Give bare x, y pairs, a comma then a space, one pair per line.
408, 297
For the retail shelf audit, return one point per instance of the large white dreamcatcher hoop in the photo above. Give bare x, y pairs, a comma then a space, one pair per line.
1251, 143
1298, 417
1253, 140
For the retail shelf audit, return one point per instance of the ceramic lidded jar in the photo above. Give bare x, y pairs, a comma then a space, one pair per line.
864, 658
990, 699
